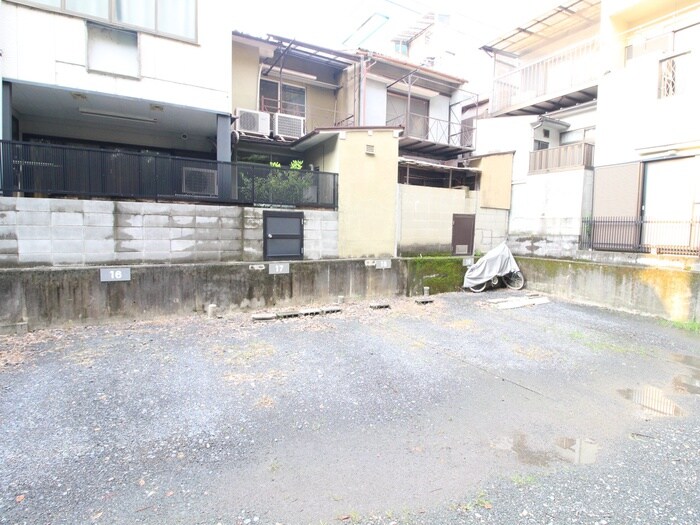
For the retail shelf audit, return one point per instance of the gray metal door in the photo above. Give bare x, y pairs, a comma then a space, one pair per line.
463, 234
283, 234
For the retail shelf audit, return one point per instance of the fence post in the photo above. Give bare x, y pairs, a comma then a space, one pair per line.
6, 174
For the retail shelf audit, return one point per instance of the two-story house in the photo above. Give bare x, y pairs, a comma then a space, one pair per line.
110, 100
647, 178
543, 115
594, 100
386, 126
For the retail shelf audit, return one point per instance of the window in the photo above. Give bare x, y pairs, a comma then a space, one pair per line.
416, 122
173, 18
540, 145
91, 8
293, 98
137, 13
401, 47
673, 75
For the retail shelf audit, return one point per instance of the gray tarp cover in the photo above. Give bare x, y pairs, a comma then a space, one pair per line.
498, 261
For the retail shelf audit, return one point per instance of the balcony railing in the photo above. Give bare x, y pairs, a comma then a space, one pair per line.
637, 235
572, 69
435, 130
45, 170
316, 117
579, 155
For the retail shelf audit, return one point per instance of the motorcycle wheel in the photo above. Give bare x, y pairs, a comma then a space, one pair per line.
514, 280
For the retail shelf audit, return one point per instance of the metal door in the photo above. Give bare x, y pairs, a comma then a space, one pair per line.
283, 234
463, 234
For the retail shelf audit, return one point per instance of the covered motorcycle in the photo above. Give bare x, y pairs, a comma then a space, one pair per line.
497, 264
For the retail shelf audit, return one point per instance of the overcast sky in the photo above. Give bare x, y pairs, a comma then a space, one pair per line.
330, 22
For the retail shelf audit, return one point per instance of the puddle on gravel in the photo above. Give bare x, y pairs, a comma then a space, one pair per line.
689, 383
653, 400
579, 451
526, 455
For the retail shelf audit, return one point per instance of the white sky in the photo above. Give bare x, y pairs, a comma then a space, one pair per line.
330, 22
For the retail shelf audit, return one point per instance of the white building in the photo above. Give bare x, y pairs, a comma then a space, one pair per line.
138, 76
595, 99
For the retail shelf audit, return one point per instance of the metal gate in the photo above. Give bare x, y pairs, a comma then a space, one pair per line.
283, 234
463, 234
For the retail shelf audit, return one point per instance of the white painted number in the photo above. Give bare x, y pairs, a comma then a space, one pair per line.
115, 274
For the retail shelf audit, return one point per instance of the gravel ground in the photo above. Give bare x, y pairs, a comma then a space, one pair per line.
447, 413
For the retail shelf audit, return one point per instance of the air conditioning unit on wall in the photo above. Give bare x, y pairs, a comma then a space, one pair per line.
198, 181
288, 125
250, 121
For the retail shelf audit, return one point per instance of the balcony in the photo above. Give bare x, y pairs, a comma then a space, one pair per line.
45, 170
571, 75
570, 156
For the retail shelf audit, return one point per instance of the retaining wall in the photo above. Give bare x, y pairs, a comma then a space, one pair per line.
38, 297
663, 292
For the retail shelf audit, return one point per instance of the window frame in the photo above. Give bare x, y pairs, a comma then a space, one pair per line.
113, 22
662, 93
280, 101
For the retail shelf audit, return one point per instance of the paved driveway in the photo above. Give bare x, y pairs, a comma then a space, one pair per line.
452, 412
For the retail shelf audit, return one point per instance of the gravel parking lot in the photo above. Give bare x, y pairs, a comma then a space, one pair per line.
453, 412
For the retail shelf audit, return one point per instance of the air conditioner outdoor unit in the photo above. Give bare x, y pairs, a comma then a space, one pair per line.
252, 121
198, 181
287, 125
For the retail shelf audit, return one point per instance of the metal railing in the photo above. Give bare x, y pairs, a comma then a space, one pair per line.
571, 69
316, 117
44, 170
435, 130
638, 235
579, 155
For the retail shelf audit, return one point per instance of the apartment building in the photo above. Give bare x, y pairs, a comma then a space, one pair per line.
594, 100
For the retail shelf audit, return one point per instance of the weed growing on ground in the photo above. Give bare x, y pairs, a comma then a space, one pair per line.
690, 326
481, 502
522, 480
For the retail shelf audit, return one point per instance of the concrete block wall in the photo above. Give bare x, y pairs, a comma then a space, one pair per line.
546, 245
320, 234
68, 232
490, 228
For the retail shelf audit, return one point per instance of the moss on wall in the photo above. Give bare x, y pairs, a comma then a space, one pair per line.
441, 274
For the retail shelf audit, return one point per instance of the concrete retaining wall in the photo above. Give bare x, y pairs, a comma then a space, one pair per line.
41, 297
48, 296
663, 292
68, 232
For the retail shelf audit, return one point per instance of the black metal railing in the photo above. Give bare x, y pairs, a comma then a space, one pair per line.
639, 235
47, 170
435, 130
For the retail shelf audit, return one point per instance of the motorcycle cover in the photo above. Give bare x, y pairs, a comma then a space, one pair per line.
498, 261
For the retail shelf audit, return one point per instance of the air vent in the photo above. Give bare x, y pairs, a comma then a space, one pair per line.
252, 121
369, 149
287, 125
197, 181
462, 249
